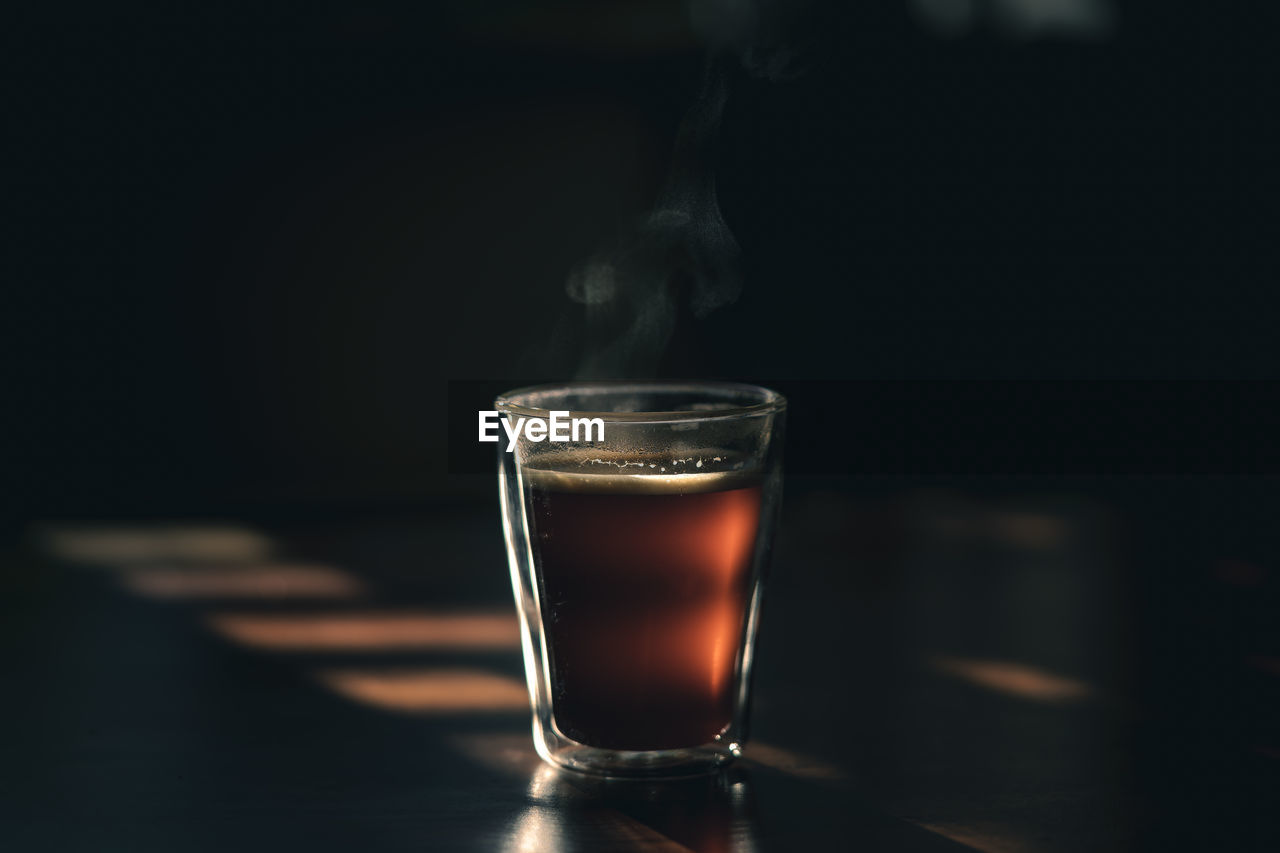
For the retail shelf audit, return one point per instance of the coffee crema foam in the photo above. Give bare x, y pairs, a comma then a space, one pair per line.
639, 473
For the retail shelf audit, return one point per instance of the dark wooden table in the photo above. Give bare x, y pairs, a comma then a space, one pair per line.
938, 670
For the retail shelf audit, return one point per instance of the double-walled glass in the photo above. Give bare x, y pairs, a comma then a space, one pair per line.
638, 559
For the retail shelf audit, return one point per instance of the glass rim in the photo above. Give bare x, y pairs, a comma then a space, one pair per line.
771, 402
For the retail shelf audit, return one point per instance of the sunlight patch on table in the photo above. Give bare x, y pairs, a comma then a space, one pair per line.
428, 691
260, 580
366, 631
987, 838
505, 752
123, 545
790, 762
1015, 679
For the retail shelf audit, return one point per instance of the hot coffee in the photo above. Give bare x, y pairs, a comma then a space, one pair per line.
644, 577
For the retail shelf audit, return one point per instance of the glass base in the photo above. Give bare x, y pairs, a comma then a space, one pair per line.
652, 764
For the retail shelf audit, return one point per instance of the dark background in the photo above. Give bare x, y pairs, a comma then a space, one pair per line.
248, 248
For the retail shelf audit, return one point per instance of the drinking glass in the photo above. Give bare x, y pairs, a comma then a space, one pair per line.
638, 559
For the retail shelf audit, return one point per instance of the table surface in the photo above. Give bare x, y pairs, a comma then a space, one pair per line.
937, 671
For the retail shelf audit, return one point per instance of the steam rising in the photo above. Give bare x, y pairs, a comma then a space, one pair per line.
683, 256
683, 252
